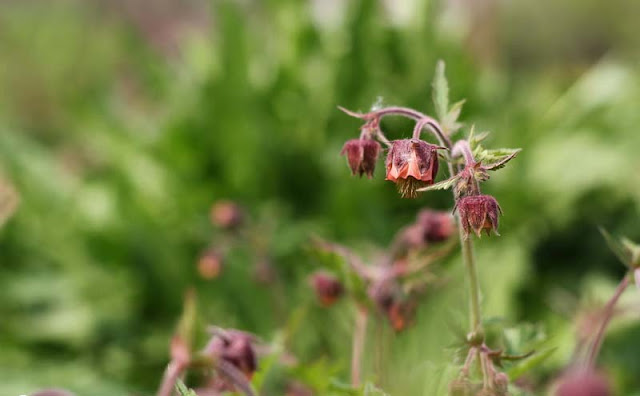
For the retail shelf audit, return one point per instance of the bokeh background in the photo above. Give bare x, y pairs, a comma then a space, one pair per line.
122, 121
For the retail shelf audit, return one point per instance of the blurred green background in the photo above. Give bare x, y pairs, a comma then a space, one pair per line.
122, 121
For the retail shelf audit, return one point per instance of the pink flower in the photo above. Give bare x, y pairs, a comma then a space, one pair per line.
411, 164
477, 213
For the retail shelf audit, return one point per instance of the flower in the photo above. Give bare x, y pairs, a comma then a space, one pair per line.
362, 155
235, 348
210, 264
477, 213
327, 287
226, 214
411, 164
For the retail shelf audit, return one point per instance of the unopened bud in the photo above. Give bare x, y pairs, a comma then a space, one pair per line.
362, 155
210, 264
226, 214
328, 288
477, 213
501, 383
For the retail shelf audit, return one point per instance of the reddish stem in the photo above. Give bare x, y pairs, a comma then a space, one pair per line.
608, 314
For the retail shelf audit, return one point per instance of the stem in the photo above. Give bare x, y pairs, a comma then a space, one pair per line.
608, 314
433, 125
171, 375
462, 148
474, 285
359, 334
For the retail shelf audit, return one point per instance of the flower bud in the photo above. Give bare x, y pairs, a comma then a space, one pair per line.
501, 383
236, 348
583, 382
226, 214
362, 155
411, 164
477, 213
460, 387
438, 226
400, 314
327, 287
210, 264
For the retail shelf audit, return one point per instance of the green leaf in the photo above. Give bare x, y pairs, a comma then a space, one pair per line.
183, 390
501, 163
450, 122
622, 253
440, 91
495, 158
442, 185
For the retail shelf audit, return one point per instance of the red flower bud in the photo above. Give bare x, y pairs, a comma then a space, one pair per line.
327, 287
236, 348
401, 314
411, 164
226, 214
362, 155
583, 383
210, 264
477, 213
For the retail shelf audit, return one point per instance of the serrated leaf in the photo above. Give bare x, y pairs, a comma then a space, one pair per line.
623, 254
183, 390
440, 91
493, 157
450, 122
501, 163
442, 185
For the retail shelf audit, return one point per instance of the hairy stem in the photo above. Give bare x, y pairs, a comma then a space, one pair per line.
421, 118
462, 148
359, 334
607, 315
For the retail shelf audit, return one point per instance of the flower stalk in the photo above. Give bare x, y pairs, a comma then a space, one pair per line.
606, 319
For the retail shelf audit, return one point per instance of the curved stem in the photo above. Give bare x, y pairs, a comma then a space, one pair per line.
462, 148
359, 334
608, 314
427, 121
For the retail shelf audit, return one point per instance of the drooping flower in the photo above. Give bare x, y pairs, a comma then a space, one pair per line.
477, 213
411, 164
235, 348
327, 287
362, 155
